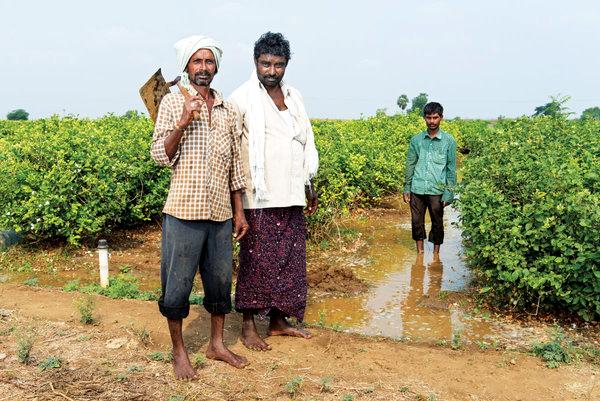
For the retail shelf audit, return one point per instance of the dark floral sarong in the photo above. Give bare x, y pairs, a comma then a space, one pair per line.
272, 271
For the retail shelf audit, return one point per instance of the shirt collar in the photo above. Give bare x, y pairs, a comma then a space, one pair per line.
439, 135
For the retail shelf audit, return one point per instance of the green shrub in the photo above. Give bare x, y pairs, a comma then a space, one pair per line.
74, 179
530, 211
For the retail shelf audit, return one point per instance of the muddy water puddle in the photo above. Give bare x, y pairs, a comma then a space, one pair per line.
407, 291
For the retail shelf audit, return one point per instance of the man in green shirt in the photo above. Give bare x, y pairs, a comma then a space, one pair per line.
430, 177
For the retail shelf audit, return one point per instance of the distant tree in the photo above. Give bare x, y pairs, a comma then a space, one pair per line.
556, 107
419, 102
381, 112
18, 114
402, 102
131, 114
592, 113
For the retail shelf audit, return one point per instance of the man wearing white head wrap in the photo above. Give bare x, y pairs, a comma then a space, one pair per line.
204, 203
280, 160
185, 48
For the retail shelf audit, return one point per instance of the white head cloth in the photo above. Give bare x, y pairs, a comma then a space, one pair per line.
185, 48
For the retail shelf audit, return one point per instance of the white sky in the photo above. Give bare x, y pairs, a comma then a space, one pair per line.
480, 59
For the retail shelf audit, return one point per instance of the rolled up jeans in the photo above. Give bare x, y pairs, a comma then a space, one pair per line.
418, 205
189, 246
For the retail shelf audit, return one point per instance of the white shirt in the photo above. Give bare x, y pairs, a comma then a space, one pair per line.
285, 151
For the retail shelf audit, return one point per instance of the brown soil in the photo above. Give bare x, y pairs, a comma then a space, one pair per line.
111, 361
138, 250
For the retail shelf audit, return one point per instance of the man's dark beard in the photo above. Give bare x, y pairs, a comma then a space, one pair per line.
201, 80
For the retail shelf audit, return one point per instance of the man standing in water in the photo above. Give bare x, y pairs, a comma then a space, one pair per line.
430, 177
204, 155
280, 159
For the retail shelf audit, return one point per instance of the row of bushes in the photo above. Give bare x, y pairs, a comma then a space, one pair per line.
74, 179
530, 210
71, 179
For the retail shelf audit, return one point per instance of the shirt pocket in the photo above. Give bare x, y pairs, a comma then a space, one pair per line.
439, 155
222, 150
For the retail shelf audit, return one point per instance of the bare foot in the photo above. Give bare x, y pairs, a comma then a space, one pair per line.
222, 353
182, 366
280, 327
252, 340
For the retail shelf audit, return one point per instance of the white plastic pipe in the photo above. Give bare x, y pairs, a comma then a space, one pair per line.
103, 259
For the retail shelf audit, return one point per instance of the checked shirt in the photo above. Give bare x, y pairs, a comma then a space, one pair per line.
207, 165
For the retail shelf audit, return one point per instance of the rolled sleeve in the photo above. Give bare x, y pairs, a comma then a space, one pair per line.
237, 179
165, 123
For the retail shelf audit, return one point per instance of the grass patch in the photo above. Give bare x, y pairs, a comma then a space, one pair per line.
555, 352
52, 362
199, 361
326, 384
71, 286
293, 386
24, 346
32, 282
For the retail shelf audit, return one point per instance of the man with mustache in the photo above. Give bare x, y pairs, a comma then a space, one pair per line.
207, 179
280, 159
430, 176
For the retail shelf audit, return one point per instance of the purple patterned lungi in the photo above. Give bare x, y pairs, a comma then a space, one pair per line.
272, 271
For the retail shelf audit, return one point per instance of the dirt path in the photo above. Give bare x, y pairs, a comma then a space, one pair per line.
110, 361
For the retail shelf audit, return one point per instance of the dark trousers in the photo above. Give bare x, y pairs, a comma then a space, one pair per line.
418, 205
189, 246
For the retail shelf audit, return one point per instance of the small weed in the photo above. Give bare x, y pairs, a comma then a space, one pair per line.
7, 331
71, 286
293, 386
124, 269
322, 319
404, 389
326, 384
157, 356
199, 361
25, 267
555, 351
24, 346
51, 362
482, 345
443, 295
32, 282
347, 397
324, 245
86, 306
121, 377
143, 335
176, 398
369, 390
135, 369
83, 338
196, 299
432, 397
441, 343
456, 343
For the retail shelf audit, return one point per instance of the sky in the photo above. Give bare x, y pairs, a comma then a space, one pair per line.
480, 59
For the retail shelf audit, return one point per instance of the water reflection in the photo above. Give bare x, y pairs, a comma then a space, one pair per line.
406, 299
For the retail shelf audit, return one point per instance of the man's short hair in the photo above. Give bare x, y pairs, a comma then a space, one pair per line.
432, 108
272, 43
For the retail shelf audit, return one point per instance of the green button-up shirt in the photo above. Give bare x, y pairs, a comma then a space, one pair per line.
431, 165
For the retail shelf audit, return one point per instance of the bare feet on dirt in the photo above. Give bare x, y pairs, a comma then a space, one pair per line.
280, 327
182, 366
222, 353
251, 339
